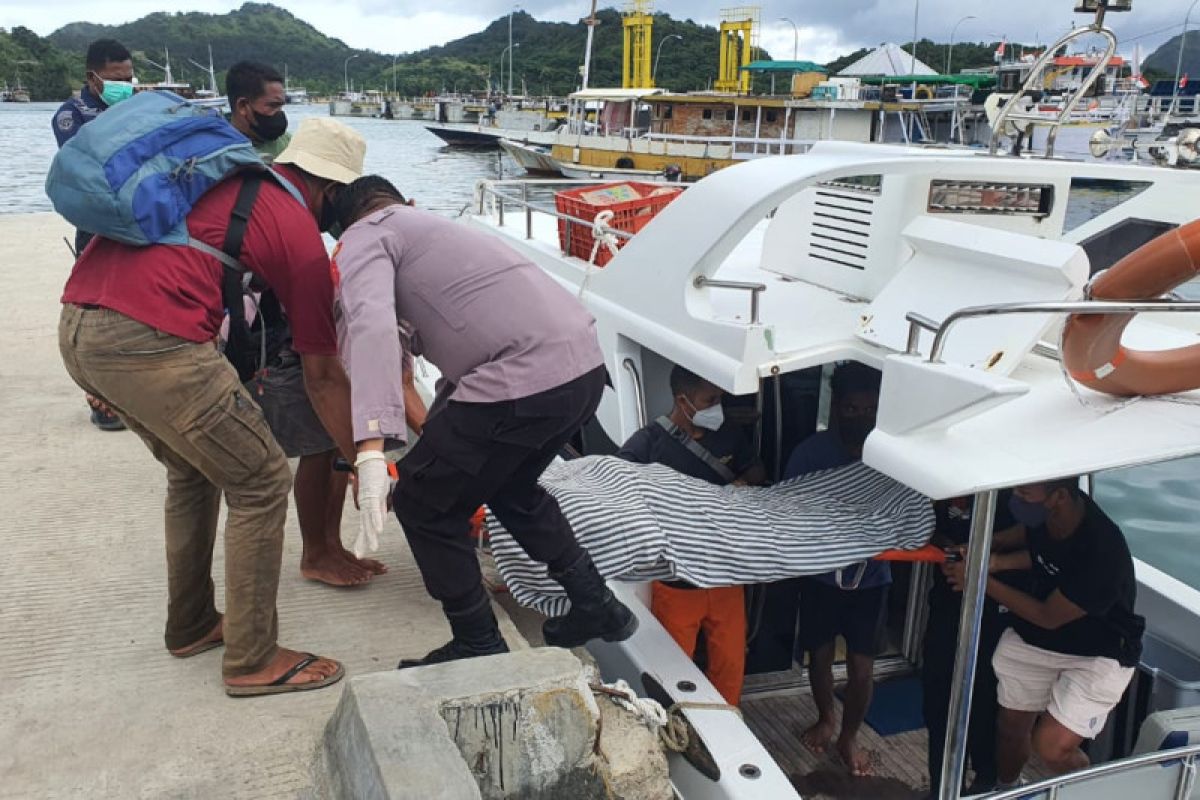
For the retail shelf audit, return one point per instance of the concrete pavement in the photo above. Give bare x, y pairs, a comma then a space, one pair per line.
92, 704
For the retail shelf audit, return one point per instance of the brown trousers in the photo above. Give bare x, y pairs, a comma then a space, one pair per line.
184, 400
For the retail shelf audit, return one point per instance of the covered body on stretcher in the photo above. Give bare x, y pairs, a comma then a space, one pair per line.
648, 522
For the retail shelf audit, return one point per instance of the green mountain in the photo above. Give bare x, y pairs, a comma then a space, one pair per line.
1161, 63
547, 56
31, 61
546, 59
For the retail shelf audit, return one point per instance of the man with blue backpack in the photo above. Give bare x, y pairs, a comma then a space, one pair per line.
188, 219
109, 80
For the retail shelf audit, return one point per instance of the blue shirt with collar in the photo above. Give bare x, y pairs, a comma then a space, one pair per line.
75, 113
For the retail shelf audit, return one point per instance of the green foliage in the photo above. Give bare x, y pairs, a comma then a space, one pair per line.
547, 59
34, 63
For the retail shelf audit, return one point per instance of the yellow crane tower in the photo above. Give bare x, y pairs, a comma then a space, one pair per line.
739, 39
635, 65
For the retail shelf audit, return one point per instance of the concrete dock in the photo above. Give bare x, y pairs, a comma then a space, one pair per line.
92, 704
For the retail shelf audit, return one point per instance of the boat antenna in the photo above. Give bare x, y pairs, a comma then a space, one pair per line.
591, 23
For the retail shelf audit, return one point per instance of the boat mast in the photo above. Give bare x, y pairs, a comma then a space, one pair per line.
587, 53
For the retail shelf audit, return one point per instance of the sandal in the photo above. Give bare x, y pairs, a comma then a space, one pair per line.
281, 686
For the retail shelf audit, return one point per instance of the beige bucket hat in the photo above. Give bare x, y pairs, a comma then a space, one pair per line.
326, 148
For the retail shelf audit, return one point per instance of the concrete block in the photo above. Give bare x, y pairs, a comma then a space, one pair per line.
634, 765
519, 725
386, 741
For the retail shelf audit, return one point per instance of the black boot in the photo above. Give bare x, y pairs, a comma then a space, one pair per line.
475, 634
595, 613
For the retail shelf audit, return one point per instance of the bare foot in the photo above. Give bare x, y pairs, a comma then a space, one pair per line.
817, 737
214, 638
857, 760
333, 570
321, 669
369, 564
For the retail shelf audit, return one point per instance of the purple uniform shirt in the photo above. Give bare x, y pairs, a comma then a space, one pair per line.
495, 325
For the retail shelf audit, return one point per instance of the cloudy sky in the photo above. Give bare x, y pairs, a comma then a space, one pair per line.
827, 28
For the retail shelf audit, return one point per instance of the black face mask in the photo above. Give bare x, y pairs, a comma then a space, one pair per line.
269, 127
854, 430
328, 223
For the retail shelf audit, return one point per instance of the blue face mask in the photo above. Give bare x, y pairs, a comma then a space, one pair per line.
116, 91
1029, 514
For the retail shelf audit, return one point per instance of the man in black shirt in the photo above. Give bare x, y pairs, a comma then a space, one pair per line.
1075, 637
696, 440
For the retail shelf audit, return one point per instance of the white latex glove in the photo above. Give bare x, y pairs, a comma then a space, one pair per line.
373, 487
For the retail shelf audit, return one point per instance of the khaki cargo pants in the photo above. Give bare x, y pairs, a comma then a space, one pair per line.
185, 402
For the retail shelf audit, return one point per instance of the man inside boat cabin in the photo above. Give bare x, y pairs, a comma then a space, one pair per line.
697, 440
1075, 639
849, 602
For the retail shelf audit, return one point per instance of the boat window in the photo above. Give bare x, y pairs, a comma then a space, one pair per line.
772, 116
668, 112
1114, 243
729, 115
747, 115
862, 183
1091, 197
707, 114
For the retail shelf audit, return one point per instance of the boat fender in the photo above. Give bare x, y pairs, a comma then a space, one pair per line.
1091, 343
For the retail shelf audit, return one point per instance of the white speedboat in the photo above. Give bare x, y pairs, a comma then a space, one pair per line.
775, 268
950, 271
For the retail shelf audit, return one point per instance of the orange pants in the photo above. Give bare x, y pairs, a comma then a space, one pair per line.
721, 613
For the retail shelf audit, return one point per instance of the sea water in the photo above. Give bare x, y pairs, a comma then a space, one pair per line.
1158, 506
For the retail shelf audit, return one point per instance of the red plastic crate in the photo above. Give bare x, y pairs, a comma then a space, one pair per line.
629, 215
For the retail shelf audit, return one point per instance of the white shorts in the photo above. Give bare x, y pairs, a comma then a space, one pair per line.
1078, 691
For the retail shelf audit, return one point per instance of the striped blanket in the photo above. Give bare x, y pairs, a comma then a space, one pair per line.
647, 521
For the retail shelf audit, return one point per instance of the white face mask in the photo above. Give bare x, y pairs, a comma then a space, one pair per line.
711, 418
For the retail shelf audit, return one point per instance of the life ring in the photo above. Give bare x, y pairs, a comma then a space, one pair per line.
924, 93
1091, 343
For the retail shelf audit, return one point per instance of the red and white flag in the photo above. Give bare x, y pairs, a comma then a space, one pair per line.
1000, 50
1141, 81
1183, 81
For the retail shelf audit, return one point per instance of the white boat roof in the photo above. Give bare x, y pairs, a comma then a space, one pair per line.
615, 94
842, 267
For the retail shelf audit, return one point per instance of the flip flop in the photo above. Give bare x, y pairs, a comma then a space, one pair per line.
281, 686
197, 649
203, 647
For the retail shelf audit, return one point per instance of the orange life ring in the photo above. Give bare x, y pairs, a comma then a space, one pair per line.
1091, 343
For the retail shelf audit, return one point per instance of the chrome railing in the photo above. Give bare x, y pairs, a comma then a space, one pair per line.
638, 395
941, 331
1051, 786
755, 289
1034, 81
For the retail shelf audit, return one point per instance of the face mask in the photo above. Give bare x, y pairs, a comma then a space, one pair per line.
855, 430
1029, 514
269, 127
711, 418
329, 221
116, 91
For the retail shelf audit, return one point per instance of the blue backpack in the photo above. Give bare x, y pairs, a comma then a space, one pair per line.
134, 173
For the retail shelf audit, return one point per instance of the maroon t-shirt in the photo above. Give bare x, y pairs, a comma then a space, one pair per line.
177, 289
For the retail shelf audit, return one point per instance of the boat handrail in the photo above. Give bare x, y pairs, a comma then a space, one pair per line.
1033, 79
1051, 786
941, 331
489, 187
755, 289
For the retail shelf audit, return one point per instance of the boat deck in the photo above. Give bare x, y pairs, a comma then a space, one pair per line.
898, 760
93, 704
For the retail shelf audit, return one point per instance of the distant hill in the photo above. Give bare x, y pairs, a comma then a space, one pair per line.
547, 57
1161, 63
43, 69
